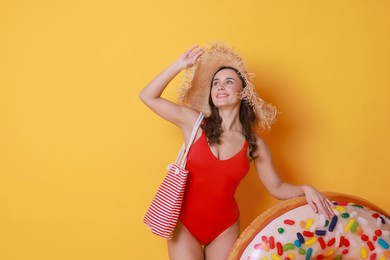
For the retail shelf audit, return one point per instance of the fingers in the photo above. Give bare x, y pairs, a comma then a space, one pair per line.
313, 206
325, 207
330, 207
197, 52
319, 203
193, 54
329, 204
189, 58
193, 48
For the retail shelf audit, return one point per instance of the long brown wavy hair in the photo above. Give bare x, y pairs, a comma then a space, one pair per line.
212, 126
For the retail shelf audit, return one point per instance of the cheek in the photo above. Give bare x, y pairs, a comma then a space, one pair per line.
213, 91
240, 89
236, 90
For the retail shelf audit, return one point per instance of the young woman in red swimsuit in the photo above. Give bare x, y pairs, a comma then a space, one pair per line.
219, 86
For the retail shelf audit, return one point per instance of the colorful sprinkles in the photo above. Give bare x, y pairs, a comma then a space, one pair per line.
351, 232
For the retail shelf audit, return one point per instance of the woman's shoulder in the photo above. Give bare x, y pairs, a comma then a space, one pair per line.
262, 147
260, 141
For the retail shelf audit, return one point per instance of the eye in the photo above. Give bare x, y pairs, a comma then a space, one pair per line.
229, 81
215, 83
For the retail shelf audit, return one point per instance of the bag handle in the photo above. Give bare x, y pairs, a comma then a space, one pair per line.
181, 159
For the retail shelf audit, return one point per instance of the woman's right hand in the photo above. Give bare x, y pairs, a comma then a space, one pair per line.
189, 58
151, 94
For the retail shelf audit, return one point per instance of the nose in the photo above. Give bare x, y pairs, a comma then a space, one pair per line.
221, 87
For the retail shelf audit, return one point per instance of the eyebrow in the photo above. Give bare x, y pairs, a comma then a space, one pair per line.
226, 78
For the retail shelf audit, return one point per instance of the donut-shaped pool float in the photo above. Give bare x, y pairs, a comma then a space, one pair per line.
291, 230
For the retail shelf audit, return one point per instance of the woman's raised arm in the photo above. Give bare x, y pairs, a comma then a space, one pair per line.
151, 94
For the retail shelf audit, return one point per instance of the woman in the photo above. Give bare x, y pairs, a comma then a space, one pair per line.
218, 85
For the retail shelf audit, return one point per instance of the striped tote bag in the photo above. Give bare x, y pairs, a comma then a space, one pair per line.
163, 213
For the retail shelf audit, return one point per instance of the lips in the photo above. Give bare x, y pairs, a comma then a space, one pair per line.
222, 95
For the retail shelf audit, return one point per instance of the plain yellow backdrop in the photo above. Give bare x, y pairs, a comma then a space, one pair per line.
81, 156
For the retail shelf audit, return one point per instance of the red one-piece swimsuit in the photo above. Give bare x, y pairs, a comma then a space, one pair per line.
209, 206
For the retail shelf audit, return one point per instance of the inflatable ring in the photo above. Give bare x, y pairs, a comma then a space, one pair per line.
291, 230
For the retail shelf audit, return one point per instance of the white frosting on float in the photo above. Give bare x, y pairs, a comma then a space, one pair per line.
355, 232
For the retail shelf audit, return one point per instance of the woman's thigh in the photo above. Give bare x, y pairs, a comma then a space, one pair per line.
220, 248
184, 245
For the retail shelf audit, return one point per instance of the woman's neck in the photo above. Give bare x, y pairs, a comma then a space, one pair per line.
230, 120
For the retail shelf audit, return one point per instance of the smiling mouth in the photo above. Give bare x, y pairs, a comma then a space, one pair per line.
222, 95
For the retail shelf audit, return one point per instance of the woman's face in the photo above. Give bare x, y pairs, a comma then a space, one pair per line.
225, 87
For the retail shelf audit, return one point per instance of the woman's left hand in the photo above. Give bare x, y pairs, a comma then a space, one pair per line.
318, 202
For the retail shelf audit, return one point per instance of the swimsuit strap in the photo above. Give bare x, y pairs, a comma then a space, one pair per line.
181, 159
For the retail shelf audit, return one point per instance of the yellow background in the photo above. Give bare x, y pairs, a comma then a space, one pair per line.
81, 157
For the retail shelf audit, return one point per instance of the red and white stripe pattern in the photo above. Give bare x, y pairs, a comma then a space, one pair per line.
164, 211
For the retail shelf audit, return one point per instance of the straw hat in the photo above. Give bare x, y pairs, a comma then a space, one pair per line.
194, 91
